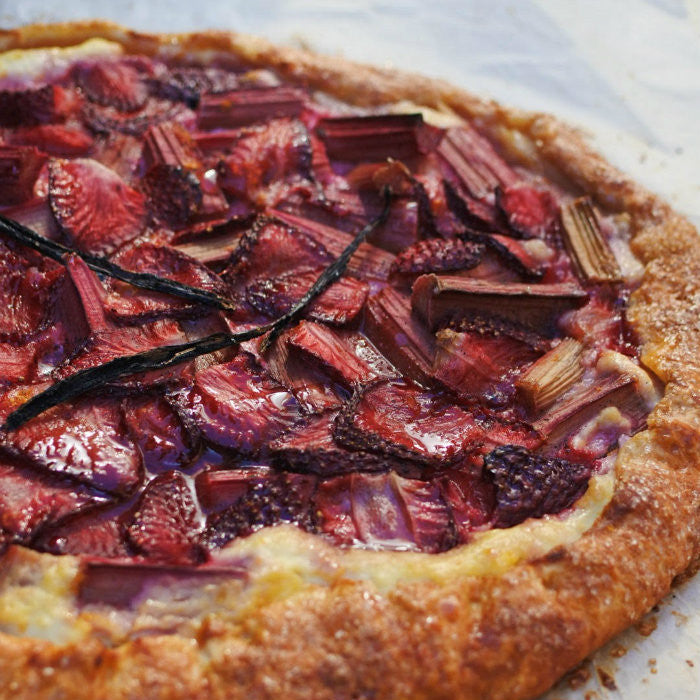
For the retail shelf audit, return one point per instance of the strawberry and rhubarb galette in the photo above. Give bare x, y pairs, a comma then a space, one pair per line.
323, 381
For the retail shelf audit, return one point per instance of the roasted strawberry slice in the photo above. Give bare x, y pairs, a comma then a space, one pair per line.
189, 84
238, 108
27, 288
238, 408
309, 447
530, 213
530, 486
95, 208
474, 162
436, 255
163, 261
337, 305
164, 526
218, 489
27, 107
271, 249
114, 83
445, 299
265, 162
368, 262
394, 419
376, 137
98, 535
390, 325
85, 439
279, 499
156, 428
19, 169
479, 365
55, 139
30, 500
383, 511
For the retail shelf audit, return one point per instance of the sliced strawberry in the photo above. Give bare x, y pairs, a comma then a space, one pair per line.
98, 535
112, 83
530, 213
154, 425
95, 208
236, 407
222, 488
189, 84
164, 526
85, 439
436, 255
55, 139
30, 500
19, 169
266, 161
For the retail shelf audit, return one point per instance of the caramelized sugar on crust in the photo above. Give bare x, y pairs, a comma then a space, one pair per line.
511, 629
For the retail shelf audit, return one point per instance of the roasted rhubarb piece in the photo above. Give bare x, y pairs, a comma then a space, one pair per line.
310, 447
394, 419
19, 169
238, 408
114, 83
94, 207
28, 107
383, 511
220, 488
164, 526
552, 375
55, 139
374, 138
470, 498
369, 262
338, 305
480, 365
164, 442
30, 500
530, 486
444, 299
569, 415
391, 327
437, 255
473, 162
238, 108
592, 256
530, 213
86, 440
281, 499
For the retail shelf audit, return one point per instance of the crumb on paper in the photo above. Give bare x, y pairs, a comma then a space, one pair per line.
652, 666
606, 679
618, 651
681, 619
690, 663
592, 695
647, 625
578, 676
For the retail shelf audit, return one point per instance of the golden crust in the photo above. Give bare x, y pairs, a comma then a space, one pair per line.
506, 636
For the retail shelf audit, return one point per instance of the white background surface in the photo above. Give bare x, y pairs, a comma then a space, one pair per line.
627, 71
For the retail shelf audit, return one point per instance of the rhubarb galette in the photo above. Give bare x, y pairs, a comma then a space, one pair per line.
322, 381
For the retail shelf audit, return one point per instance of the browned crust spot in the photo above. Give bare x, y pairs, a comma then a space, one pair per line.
505, 637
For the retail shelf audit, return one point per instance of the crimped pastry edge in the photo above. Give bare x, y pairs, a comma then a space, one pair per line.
508, 636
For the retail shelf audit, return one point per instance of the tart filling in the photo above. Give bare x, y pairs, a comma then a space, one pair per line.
467, 379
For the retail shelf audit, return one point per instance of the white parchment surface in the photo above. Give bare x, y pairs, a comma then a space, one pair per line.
626, 71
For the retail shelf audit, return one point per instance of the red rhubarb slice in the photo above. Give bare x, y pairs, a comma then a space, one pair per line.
55, 139
238, 108
442, 299
218, 489
383, 511
95, 208
28, 107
